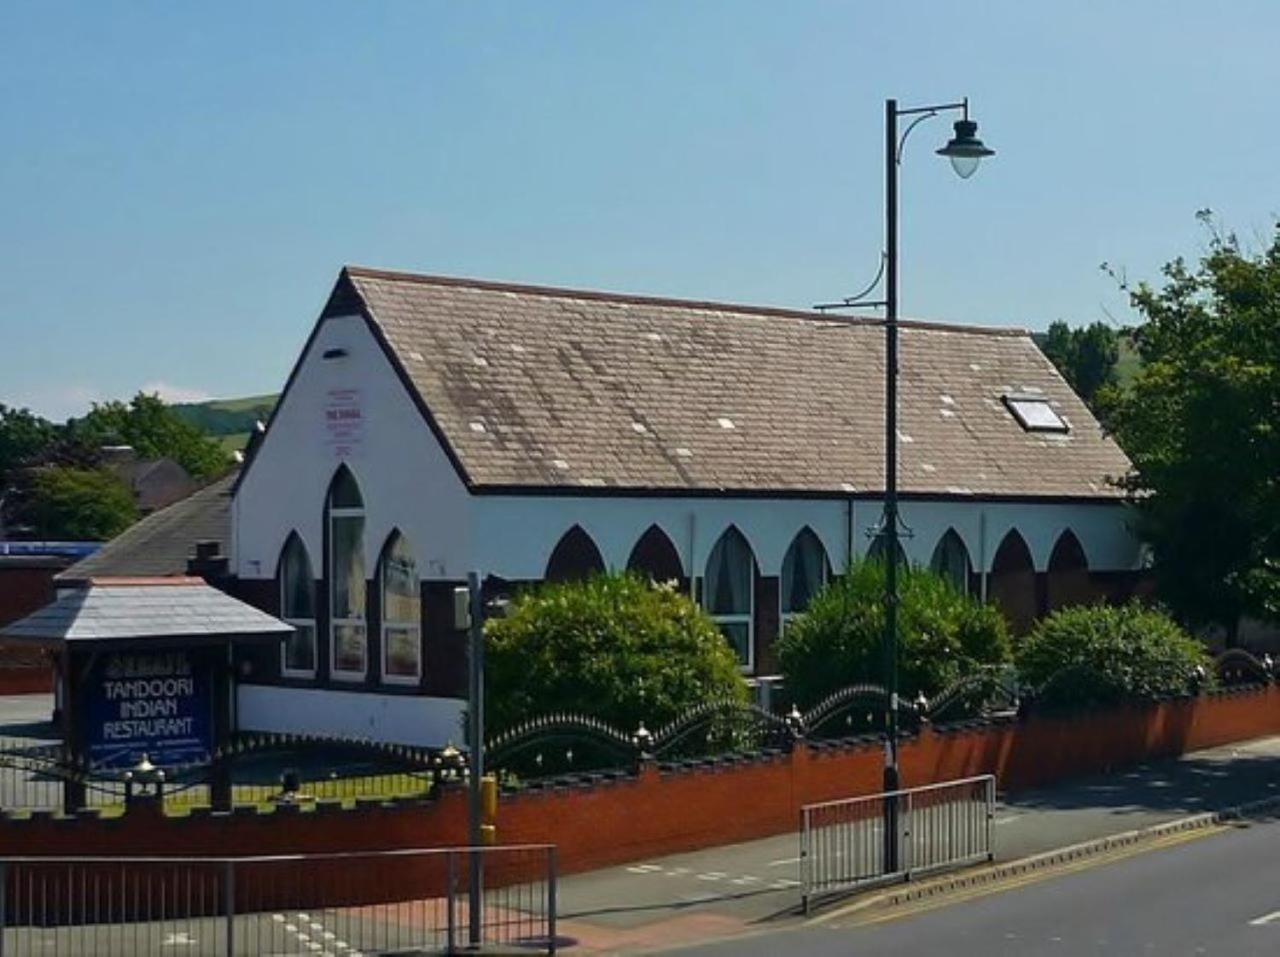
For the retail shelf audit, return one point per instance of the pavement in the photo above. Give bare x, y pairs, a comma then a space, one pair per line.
739, 889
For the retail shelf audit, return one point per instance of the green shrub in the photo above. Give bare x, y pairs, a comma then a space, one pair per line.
943, 635
1100, 654
615, 647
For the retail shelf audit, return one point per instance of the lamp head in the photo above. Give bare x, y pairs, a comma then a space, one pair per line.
964, 149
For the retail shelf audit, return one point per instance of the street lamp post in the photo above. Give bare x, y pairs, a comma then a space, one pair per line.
965, 151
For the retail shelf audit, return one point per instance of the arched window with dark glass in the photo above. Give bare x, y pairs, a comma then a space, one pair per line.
951, 561
298, 608
575, 557
348, 636
729, 593
1068, 582
1012, 582
876, 551
401, 612
655, 557
805, 569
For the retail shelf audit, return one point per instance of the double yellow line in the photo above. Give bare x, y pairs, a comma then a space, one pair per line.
873, 915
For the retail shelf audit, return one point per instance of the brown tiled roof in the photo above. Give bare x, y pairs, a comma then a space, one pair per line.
161, 543
547, 388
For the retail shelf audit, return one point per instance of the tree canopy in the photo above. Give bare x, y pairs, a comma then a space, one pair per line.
1201, 422
50, 473
1086, 356
155, 431
82, 505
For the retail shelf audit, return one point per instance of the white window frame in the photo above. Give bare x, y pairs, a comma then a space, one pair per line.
415, 627
749, 618
336, 673
310, 623
784, 616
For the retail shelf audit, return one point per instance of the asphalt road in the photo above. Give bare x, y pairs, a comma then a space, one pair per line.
1210, 892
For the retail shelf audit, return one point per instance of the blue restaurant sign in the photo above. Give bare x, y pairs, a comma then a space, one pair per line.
156, 704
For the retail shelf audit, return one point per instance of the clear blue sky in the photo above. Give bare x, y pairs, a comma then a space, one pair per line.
180, 182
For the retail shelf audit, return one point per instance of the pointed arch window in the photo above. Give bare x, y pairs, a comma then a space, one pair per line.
575, 557
348, 634
401, 613
951, 561
805, 569
298, 608
655, 557
876, 552
729, 593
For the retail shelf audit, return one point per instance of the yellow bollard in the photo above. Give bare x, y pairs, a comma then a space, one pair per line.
489, 810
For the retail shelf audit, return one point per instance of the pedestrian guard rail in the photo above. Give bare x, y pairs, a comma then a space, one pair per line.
401, 901
895, 835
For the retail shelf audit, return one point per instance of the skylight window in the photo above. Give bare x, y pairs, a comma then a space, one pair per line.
1035, 414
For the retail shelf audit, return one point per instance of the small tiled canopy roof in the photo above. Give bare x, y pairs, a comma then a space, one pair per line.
146, 610
162, 542
534, 388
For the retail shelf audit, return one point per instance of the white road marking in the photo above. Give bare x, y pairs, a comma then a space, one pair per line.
713, 876
278, 917
645, 868
678, 871
785, 860
1265, 919
179, 939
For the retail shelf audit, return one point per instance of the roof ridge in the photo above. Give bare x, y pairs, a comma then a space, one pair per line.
432, 279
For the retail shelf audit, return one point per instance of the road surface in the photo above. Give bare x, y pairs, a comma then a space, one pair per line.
1214, 892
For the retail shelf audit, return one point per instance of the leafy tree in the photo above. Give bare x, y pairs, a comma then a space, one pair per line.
1201, 422
78, 504
155, 431
943, 635
24, 436
1099, 654
1087, 357
615, 647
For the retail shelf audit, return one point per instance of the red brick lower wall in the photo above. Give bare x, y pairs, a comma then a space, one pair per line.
659, 812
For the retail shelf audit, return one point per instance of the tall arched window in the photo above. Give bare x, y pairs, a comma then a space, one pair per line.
401, 612
655, 557
1068, 581
729, 593
348, 639
805, 570
876, 551
574, 558
951, 561
1012, 583
298, 608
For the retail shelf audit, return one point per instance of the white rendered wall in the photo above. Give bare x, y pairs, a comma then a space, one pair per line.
515, 535
404, 476
401, 719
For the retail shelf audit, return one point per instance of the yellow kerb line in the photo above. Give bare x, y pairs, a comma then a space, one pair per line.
1001, 885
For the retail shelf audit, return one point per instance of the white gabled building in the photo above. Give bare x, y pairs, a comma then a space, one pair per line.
433, 426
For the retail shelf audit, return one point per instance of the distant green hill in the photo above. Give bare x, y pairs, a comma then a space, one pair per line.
229, 420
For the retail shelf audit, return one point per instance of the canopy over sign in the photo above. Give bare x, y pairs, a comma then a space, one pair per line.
145, 612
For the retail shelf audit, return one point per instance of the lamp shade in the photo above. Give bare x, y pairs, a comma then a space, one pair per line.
964, 149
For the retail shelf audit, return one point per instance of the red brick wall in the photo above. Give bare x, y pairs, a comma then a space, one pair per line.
666, 812
24, 589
